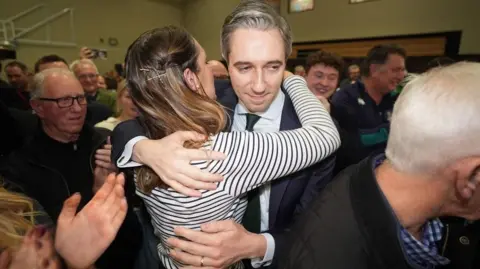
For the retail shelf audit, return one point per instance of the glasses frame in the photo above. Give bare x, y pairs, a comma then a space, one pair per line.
70, 99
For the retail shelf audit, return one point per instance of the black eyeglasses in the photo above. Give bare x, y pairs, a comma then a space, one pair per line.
65, 102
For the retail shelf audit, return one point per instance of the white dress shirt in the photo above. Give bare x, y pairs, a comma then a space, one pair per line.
269, 122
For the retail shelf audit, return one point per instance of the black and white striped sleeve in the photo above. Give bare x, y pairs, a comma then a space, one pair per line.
255, 158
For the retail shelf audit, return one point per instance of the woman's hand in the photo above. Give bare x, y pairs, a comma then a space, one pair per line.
287, 74
81, 238
36, 251
171, 162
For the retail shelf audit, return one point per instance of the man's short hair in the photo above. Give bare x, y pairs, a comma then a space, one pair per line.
75, 63
48, 59
326, 58
39, 79
353, 66
255, 14
435, 119
18, 64
379, 55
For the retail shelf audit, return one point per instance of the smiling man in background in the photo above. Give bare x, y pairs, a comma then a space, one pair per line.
364, 109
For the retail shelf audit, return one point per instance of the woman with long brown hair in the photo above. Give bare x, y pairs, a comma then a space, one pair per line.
172, 87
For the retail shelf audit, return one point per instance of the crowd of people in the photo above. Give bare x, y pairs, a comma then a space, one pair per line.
178, 161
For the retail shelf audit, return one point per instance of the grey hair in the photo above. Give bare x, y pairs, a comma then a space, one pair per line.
435, 119
255, 14
39, 80
75, 63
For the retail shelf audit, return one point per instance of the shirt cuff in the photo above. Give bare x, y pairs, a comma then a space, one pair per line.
268, 257
125, 160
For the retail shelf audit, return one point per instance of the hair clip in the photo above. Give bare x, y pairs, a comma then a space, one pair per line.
159, 73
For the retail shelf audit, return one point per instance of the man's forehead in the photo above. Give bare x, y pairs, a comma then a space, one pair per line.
85, 68
58, 85
14, 69
256, 46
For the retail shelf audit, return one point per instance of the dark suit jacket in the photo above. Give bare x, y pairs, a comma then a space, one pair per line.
289, 195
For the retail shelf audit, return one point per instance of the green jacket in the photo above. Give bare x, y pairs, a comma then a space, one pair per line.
107, 98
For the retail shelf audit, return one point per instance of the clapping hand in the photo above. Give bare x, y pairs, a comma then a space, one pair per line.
81, 238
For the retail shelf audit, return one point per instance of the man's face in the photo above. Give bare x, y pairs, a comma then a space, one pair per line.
354, 73
322, 80
17, 77
256, 65
88, 77
101, 82
389, 75
52, 65
68, 120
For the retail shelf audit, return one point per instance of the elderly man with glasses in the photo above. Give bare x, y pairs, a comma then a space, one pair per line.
66, 156
87, 73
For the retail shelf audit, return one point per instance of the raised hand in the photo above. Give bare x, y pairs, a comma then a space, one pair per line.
82, 238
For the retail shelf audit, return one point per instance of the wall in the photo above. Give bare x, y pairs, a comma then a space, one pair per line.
336, 19
204, 20
125, 20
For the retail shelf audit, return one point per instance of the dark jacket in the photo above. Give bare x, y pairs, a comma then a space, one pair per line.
31, 168
289, 195
462, 243
351, 225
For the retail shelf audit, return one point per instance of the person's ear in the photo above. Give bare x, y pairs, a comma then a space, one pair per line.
37, 106
467, 179
191, 79
375, 69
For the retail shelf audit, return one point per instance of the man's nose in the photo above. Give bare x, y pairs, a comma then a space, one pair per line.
258, 82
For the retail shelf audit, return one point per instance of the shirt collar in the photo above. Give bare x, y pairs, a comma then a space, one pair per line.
274, 111
422, 252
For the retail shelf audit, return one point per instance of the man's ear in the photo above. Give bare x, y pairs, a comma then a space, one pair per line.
37, 106
467, 179
375, 68
191, 80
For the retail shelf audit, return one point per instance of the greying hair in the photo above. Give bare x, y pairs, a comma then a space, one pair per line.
435, 120
75, 63
39, 79
255, 14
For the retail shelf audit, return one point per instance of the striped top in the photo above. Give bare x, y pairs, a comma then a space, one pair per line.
252, 159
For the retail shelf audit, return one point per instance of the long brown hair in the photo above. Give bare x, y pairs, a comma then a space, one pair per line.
155, 64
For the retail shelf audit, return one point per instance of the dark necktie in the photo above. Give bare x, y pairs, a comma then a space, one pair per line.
251, 219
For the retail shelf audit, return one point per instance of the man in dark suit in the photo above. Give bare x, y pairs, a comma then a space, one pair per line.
256, 71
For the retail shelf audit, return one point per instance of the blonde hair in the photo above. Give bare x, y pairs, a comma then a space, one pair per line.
121, 88
16, 218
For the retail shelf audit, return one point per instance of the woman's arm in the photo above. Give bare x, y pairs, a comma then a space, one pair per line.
255, 158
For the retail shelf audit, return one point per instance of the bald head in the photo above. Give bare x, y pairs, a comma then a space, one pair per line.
218, 69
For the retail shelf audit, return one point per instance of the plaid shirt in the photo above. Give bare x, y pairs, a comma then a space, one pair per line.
425, 252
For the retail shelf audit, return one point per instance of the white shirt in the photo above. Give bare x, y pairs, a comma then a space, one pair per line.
269, 122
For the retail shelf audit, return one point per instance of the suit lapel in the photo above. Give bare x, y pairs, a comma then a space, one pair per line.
289, 121
229, 100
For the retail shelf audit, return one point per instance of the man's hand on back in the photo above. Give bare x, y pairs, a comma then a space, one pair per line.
220, 244
171, 162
